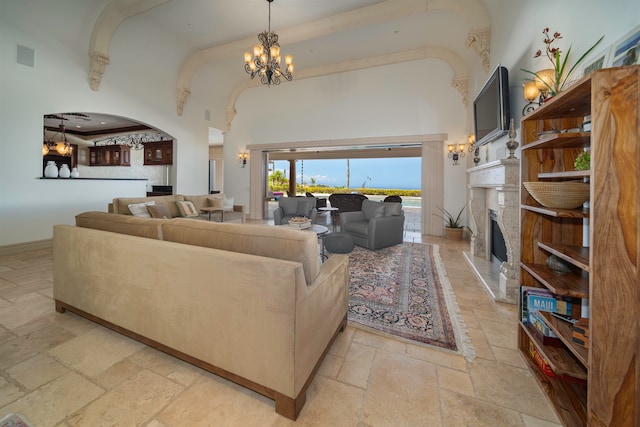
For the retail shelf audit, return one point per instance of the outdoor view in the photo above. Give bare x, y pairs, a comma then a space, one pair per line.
372, 177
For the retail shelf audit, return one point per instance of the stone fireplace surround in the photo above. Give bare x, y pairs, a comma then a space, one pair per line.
496, 185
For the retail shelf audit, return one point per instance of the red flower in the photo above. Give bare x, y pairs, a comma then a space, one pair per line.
538, 53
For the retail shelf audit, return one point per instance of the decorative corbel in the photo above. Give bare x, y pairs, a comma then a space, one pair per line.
479, 40
460, 85
97, 63
181, 99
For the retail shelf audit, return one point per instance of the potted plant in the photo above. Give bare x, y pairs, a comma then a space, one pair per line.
453, 228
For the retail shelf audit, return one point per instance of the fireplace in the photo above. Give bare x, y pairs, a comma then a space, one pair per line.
495, 243
497, 246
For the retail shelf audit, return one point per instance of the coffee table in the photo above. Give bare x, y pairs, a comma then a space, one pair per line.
320, 231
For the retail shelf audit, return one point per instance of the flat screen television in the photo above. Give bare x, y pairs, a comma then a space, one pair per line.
491, 108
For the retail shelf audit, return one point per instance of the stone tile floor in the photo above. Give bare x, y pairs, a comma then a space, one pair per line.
63, 370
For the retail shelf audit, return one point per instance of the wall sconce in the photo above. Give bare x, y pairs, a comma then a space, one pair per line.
537, 90
472, 148
242, 157
456, 151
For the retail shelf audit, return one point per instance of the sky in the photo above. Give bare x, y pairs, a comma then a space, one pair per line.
401, 173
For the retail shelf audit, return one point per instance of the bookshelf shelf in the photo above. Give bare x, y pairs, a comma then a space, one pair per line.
562, 140
576, 255
567, 174
570, 284
564, 331
558, 213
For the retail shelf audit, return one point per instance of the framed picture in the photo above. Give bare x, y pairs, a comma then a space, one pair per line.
596, 62
626, 51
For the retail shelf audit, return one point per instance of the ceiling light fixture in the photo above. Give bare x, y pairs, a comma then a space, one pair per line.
135, 141
62, 146
266, 58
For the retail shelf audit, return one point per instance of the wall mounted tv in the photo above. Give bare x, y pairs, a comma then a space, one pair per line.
491, 108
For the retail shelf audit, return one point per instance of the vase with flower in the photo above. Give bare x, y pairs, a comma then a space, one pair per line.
552, 81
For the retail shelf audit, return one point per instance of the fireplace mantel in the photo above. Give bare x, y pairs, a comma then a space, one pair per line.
502, 176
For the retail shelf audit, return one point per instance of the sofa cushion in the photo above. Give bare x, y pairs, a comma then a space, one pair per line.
372, 209
159, 211
140, 209
262, 240
187, 209
357, 227
289, 205
123, 224
120, 204
305, 205
392, 208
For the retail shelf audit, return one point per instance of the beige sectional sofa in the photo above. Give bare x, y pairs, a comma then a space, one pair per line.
121, 205
251, 303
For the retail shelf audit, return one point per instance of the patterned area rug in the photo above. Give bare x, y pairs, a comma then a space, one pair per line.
403, 290
14, 420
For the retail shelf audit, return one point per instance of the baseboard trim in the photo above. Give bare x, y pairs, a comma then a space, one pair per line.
26, 246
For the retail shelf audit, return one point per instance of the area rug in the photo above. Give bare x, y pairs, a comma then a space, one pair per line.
403, 291
14, 420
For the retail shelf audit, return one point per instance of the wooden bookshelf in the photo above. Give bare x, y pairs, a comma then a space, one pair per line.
602, 246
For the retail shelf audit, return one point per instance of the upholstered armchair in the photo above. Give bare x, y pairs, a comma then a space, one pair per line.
376, 226
289, 207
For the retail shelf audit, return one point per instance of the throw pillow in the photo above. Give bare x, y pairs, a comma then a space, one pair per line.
187, 209
159, 211
227, 204
215, 202
392, 208
372, 209
140, 209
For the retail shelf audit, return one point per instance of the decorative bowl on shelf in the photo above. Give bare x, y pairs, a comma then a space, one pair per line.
559, 195
300, 222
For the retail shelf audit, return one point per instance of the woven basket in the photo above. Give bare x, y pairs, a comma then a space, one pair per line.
559, 195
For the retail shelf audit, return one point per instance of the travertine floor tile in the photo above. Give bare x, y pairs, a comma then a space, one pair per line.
456, 381
329, 403
38, 370
437, 357
402, 392
213, 401
25, 309
117, 373
500, 333
536, 422
462, 411
331, 366
54, 401
357, 365
8, 393
508, 356
95, 351
133, 402
24, 347
511, 388
379, 341
342, 342
480, 344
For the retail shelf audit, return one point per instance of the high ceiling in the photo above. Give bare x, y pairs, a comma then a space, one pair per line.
323, 36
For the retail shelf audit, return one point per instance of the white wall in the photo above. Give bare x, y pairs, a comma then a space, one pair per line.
516, 35
411, 98
139, 83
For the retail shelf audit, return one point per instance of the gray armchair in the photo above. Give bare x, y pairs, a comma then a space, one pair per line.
376, 226
289, 207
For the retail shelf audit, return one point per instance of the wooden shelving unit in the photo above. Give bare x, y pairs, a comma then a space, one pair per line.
601, 245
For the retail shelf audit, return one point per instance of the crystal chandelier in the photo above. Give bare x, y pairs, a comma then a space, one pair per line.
266, 58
